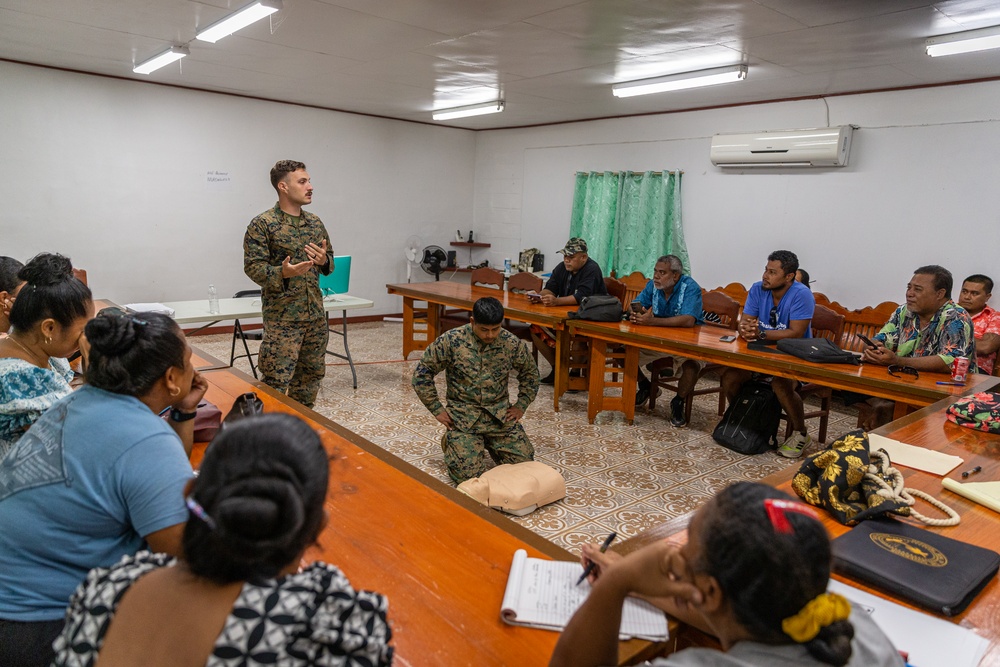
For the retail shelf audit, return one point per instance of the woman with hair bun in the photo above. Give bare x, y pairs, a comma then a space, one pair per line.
98, 476
754, 573
10, 285
47, 319
238, 595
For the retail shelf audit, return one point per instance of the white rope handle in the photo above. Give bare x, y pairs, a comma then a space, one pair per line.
881, 470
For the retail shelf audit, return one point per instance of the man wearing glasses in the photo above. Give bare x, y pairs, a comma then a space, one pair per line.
777, 307
926, 333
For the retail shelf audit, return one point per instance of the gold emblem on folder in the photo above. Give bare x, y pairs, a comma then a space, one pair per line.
910, 549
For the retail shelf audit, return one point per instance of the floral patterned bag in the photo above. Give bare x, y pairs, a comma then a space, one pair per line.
980, 412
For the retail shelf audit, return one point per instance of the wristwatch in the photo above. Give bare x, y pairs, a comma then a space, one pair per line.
762, 334
178, 416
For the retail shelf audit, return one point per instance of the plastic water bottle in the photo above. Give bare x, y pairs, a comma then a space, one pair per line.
506, 267
213, 300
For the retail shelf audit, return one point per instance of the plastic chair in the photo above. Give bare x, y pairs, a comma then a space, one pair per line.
244, 336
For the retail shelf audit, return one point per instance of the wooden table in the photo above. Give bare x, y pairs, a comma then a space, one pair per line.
441, 558
702, 342
421, 325
927, 427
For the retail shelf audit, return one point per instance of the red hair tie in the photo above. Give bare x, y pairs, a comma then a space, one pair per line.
776, 509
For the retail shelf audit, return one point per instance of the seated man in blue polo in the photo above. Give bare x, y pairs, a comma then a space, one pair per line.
670, 299
777, 307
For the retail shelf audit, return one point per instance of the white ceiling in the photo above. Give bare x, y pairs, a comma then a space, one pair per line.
551, 60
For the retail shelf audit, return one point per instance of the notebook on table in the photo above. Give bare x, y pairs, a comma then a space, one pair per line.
543, 594
917, 565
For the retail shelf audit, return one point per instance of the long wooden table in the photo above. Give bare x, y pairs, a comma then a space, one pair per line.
927, 427
421, 325
703, 342
441, 558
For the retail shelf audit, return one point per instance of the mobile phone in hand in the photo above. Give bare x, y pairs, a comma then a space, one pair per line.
534, 297
868, 341
636, 307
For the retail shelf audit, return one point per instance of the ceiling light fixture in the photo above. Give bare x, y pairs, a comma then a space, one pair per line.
662, 84
471, 110
173, 54
964, 42
241, 19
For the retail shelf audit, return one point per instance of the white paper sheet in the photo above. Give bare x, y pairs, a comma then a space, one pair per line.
928, 641
928, 460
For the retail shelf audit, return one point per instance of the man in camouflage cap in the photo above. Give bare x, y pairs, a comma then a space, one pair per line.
477, 359
284, 251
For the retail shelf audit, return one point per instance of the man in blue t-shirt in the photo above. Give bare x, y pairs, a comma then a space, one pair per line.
670, 299
777, 307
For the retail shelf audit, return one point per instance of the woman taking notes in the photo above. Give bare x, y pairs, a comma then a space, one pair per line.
753, 573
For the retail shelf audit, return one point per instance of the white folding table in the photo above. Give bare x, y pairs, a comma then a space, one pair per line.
193, 312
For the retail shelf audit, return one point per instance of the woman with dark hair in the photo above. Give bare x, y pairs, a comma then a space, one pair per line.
753, 573
98, 476
238, 595
802, 276
10, 284
47, 320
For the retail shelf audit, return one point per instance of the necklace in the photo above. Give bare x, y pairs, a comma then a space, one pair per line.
28, 350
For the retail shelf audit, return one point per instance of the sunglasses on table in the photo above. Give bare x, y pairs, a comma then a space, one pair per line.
905, 370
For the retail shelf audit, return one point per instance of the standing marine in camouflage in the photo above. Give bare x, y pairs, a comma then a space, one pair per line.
284, 251
477, 359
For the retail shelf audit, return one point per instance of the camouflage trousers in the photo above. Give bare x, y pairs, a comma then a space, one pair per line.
465, 451
293, 358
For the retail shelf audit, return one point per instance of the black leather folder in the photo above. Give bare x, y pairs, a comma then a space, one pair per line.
921, 566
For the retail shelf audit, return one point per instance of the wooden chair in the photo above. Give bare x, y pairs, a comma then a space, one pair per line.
244, 336
728, 311
826, 323
456, 317
634, 283
524, 282
736, 291
81, 275
616, 288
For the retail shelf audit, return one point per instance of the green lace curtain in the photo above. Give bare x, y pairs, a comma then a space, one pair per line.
629, 219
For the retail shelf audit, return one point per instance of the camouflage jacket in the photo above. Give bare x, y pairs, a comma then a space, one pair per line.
272, 236
477, 375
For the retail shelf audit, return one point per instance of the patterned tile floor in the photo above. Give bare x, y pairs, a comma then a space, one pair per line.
618, 477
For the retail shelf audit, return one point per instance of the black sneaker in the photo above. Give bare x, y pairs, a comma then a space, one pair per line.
550, 378
677, 411
642, 393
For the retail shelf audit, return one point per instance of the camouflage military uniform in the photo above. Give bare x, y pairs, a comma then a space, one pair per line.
293, 352
477, 377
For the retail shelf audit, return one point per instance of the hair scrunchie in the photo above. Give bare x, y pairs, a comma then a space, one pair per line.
822, 611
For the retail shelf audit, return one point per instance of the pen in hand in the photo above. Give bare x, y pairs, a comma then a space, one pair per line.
590, 568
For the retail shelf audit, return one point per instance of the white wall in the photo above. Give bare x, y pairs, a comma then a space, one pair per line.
113, 174
920, 188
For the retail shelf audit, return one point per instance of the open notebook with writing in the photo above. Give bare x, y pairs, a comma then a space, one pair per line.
543, 594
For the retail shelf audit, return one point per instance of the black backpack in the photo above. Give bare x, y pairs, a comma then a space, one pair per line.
599, 308
750, 425
820, 350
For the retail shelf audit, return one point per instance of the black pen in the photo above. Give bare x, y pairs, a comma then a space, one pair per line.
590, 568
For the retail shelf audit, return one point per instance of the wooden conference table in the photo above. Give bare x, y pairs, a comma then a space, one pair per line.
196, 312
441, 558
929, 428
422, 326
702, 342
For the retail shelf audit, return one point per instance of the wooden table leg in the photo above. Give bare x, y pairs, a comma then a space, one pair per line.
561, 381
597, 401
901, 409
598, 361
419, 322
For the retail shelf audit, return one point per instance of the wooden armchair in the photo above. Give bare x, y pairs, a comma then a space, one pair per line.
634, 283
456, 317
616, 288
524, 282
728, 311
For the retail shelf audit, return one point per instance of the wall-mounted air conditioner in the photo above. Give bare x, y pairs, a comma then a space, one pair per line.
819, 147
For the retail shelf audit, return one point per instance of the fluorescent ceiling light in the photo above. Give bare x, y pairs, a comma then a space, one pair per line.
471, 110
173, 54
662, 84
963, 42
241, 19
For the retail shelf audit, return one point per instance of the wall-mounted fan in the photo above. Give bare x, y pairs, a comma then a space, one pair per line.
433, 260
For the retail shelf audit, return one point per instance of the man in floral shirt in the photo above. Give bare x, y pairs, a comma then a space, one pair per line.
926, 333
976, 291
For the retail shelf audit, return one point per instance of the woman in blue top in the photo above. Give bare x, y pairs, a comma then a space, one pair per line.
98, 476
47, 319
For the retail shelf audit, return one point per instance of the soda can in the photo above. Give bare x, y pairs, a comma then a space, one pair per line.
959, 369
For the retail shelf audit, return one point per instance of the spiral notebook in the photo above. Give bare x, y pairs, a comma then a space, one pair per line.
543, 594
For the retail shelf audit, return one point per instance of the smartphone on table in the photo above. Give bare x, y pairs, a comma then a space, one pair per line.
728, 339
